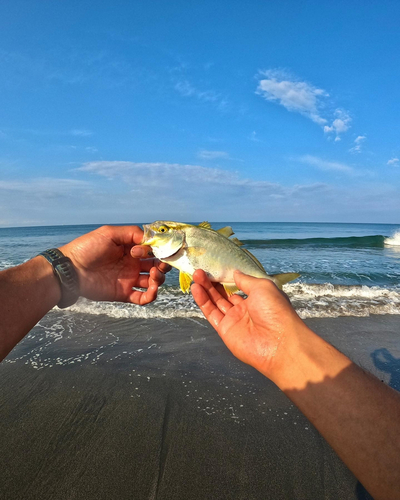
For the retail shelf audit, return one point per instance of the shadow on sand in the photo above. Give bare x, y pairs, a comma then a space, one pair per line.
386, 362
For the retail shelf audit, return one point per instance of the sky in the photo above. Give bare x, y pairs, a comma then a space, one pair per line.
134, 111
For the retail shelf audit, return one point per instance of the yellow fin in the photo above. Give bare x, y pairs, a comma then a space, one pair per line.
185, 280
225, 231
282, 279
230, 289
237, 242
205, 224
254, 259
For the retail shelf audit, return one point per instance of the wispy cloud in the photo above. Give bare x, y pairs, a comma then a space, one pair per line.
79, 132
294, 95
212, 155
299, 96
358, 144
326, 165
393, 161
187, 89
339, 125
193, 183
254, 137
44, 186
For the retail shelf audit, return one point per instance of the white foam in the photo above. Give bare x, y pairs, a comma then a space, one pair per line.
327, 300
310, 301
394, 240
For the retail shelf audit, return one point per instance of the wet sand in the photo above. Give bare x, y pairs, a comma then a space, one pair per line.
102, 408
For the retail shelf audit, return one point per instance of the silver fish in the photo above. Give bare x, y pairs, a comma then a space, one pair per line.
188, 248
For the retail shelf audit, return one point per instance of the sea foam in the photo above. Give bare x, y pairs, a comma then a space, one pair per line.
310, 301
394, 240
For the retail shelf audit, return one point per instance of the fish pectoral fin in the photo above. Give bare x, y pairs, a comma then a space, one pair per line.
195, 251
184, 281
282, 279
230, 288
225, 231
237, 242
205, 224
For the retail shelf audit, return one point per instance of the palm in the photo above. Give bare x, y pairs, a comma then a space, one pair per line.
252, 328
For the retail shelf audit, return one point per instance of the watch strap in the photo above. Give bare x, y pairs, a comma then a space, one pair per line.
67, 276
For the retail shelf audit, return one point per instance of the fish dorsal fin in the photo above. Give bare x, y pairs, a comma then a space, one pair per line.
225, 231
205, 224
237, 242
282, 279
184, 281
254, 259
230, 288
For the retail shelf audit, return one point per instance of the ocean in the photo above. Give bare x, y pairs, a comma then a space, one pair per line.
107, 400
346, 269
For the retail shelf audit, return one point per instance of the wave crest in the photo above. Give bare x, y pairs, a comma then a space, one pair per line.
394, 240
309, 300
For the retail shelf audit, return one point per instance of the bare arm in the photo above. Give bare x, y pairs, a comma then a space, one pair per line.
357, 414
108, 264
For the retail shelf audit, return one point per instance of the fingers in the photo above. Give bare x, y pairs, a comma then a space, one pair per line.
147, 264
245, 282
143, 298
207, 306
141, 252
123, 235
157, 276
152, 282
219, 300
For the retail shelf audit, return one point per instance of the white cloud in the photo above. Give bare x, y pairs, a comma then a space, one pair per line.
358, 144
212, 155
393, 161
340, 124
325, 164
294, 95
302, 97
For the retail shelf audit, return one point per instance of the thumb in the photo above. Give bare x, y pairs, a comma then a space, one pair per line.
244, 281
141, 251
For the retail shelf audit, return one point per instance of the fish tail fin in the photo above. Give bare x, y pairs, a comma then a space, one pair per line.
283, 278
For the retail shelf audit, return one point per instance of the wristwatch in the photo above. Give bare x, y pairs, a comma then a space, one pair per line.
66, 275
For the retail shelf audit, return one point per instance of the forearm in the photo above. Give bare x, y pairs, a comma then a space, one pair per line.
27, 293
357, 414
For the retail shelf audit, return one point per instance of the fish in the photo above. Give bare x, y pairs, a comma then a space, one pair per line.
188, 247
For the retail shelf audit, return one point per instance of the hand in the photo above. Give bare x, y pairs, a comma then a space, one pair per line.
255, 329
109, 265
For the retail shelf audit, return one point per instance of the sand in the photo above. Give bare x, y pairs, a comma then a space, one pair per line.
159, 409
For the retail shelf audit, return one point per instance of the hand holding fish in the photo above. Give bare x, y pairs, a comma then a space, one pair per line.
110, 261
255, 329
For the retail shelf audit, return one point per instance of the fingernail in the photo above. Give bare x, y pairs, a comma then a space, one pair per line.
137, 252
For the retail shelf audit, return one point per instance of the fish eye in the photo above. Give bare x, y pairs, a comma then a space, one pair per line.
163, 229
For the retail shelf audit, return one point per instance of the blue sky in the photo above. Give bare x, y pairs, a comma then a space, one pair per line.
124, 111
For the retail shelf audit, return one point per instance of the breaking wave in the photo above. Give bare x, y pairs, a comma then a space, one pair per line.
393, 241
309, 300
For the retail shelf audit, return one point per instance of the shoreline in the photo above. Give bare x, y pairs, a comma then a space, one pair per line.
161, 409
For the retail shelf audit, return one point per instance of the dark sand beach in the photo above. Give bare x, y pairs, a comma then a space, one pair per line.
94, 407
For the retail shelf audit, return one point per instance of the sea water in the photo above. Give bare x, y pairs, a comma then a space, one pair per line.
346, 269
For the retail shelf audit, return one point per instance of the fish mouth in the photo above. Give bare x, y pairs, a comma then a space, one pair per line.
148, 235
